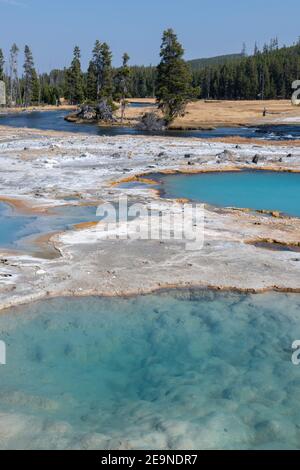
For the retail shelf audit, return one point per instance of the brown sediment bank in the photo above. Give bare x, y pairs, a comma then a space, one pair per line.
144, 177
135, 179
27, 207
43, 247
85, 225
23, 206
253, 141
273, 244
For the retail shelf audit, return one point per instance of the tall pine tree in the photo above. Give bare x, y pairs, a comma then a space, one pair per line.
174, 82
75, 88
36, 89
97, 64
106, 81
31, 82
91, 83
100, 73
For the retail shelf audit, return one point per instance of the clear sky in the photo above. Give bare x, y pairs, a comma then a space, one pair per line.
205, 27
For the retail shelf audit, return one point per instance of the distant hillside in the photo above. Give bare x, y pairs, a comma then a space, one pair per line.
198, 64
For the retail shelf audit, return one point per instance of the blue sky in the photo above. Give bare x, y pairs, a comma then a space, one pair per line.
205, 27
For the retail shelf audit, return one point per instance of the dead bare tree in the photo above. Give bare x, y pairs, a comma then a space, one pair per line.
14, 80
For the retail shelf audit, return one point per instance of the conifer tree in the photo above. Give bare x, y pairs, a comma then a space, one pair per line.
173, 89
31, 83
106, 81
36, 89
100, 73
75, 79
1, 65
97, 63
91, 83
256, 49
124, 77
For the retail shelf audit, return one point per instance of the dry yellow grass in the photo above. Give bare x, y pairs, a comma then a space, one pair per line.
63, 107
207, 114
235, 112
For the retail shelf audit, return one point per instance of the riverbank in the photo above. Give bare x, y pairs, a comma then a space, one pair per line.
30, 109
203, 114
200, 115
40, 170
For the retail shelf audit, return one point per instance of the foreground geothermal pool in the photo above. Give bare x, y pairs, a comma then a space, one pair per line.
257, 190
181, 370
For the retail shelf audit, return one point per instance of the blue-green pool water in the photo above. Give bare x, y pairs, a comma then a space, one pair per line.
17, 230
11, 226
181, 370
257, 190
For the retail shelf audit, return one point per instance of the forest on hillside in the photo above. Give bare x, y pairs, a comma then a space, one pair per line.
267, 74
199, 64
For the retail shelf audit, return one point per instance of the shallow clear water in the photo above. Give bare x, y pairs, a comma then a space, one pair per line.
16, 230
247, 189
12, 226
185, 370
54, 120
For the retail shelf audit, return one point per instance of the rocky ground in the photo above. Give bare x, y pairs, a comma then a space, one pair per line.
39, 170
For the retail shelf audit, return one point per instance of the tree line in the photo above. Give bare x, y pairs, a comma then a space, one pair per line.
72, 83
26, 90
267, 74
